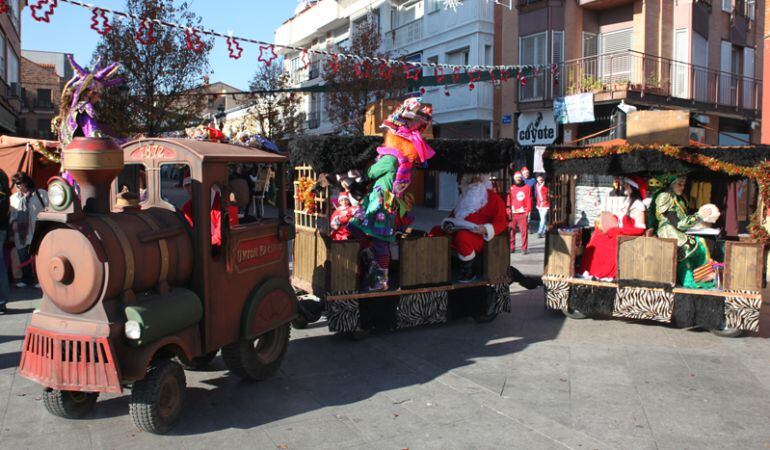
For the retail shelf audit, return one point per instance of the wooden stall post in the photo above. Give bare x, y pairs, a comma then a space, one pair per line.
560, 254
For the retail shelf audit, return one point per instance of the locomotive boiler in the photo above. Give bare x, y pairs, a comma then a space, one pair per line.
129, 290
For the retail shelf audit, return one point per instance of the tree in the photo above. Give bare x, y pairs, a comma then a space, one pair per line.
277, 114
157, 77
358, 83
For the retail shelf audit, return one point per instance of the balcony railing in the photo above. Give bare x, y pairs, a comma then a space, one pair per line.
631, 71
408, 33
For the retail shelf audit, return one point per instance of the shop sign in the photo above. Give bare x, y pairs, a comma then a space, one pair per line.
537, 128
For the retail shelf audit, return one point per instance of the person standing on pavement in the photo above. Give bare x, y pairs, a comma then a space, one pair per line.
519, 206
529, 181
543, 204
26, 203
5, 194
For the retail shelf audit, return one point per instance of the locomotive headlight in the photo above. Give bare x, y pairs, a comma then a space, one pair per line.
59, 195
133, 330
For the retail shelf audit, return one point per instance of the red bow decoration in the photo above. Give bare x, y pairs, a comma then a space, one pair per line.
422, 91
386, 71
146, 32
236, 51
99, 21
555, 74
305, 59
456, 75
474, 75
522, 78
193, 40
505, 75
412, 72
273, 55
4, 8
334, 63
438, 72
46, 17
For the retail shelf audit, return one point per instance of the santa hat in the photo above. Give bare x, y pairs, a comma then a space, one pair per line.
517, 174
343, 196
524, 169
638, 183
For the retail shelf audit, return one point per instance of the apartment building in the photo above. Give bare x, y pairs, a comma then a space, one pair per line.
41, 96
415, 30
704, 56
10, 67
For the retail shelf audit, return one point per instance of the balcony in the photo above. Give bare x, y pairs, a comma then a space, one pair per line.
602, 4
647, 79
409, 33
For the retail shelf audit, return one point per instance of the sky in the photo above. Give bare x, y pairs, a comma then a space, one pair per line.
69, 31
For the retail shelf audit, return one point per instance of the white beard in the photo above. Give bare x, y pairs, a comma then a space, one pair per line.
472, 198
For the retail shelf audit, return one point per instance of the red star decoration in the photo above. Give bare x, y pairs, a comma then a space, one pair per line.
235, 49
146, 32
438, 72
456, 75
46, 17
273, 55
193, 40
412, 72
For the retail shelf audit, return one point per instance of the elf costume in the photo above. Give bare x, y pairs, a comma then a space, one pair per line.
375, 220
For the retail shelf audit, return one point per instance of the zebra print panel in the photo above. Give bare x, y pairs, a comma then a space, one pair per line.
502, 297
556, 292
742, 312
644, 303
343, 315
421, 309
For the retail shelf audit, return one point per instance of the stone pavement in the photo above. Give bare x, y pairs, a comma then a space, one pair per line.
532, 379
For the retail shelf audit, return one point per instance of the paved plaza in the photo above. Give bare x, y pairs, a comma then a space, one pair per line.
531, 380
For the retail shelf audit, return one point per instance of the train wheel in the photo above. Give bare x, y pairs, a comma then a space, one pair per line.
156, 401
726, 332
199, 363
258, 359
574, 314
69, 404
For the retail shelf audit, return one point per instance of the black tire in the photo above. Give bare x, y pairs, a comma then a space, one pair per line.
258, 359
69, 404
156, 401
727, 332
574, 314
300, 323
200, 362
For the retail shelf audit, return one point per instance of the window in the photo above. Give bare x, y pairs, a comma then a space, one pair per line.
488, 55
2, 56
727, 5
43, 127
13, 68
44, 98
532, 49
434, 5
176, 187
751, 6
590, 44
557, 47
615, 64
14, 13
373, 15
133, 179
254, 191
458, 57
429, 71
406, 13
314, 111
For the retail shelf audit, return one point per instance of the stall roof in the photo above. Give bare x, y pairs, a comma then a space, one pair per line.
216, 151
337, 154
625, 159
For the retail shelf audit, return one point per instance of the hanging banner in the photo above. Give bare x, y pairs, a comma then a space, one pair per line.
577, 108
537, 128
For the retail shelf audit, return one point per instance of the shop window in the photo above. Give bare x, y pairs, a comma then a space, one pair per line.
175, 184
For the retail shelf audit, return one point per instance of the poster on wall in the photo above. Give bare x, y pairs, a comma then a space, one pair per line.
537, 128
576, 108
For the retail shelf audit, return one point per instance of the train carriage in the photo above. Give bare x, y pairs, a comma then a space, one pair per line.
424, 291
646, 285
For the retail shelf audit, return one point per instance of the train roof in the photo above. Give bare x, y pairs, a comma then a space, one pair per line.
213, 151
629, 159
337, 154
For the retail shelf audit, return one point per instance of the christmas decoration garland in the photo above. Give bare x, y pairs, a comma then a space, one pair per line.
51, 155
42, 10
305, 195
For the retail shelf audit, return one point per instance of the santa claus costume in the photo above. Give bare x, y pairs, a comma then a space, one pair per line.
478, 216
520, 205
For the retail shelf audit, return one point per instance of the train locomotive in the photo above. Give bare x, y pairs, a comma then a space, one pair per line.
132, 292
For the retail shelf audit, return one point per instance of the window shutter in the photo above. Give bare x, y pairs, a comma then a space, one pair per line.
617, 41
557, 49
727, 5
590, 44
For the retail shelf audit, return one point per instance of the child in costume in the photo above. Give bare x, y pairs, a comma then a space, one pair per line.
341, 217
375, 220
669, 217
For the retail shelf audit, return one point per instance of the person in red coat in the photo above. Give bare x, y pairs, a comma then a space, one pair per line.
340, 218
215, 214
519, 206
543, 204
478, 216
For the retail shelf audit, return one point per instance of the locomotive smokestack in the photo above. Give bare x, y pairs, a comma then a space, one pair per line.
93, 163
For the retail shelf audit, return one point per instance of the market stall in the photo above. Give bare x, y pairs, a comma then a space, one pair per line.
652, 273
